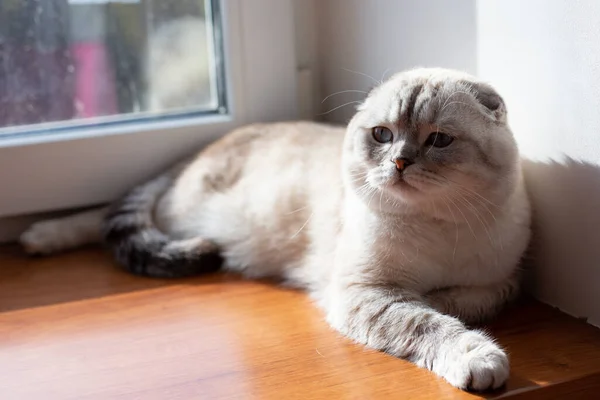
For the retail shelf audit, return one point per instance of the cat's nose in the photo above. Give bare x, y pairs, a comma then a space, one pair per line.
402, 163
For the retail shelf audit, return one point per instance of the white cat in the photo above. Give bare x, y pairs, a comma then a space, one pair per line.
403, 227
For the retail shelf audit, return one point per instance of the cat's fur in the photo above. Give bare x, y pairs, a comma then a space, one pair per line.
391, 257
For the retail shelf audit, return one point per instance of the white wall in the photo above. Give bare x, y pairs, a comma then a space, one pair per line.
374, 37
544, 57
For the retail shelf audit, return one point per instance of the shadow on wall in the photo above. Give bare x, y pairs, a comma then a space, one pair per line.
566, 223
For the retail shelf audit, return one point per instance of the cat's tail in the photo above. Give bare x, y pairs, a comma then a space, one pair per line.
141, 248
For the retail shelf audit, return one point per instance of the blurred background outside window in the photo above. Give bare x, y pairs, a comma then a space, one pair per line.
88, 59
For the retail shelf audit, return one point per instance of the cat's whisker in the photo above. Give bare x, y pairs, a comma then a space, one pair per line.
367, 192
363, 74
437, 131
464, 217
365, 186
359, 174
303, 226
384, 74
372, 196
360, 180
470, 191
473, 210
454, 93
343, 91
500, 244
463, 197
343, 105
455, 225
432, 203
478, 201
456, 102
481, 200
297, 210
487, 229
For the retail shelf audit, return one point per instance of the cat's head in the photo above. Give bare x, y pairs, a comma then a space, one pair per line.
427, 136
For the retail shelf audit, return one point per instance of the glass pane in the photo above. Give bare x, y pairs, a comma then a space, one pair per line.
96, 59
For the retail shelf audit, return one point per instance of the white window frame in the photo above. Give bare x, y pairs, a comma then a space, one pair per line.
93, 166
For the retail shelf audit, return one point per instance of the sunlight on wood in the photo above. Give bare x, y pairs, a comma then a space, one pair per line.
75, 326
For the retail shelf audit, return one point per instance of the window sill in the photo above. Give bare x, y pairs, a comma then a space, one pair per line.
120, 335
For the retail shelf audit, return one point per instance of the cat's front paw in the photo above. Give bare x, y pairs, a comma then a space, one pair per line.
474, 362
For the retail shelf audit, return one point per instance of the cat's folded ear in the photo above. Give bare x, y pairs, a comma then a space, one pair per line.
490, 100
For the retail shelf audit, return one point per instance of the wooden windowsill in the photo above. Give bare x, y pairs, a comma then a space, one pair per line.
75, 327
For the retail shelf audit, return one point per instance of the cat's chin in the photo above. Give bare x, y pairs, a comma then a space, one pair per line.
409, 192
403, 191
400, 187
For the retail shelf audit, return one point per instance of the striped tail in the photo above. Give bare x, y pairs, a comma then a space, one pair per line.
142, 249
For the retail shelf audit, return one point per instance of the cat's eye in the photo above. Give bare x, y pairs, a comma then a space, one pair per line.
439, 139
382, 134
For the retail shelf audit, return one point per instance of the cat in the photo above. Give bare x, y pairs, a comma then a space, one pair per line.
404, 227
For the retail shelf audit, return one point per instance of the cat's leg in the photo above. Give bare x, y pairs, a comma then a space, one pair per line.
402, 324
60, 234
474, 304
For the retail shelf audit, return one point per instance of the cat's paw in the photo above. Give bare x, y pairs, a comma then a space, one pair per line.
42, 238
475, 362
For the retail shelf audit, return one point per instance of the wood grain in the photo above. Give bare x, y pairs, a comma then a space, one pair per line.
75, 327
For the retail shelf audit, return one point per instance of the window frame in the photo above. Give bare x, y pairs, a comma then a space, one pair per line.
95, 164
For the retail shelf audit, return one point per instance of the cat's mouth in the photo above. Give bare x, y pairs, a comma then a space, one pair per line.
402, 184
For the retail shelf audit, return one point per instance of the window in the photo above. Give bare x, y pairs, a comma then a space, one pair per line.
100, 122
103, 61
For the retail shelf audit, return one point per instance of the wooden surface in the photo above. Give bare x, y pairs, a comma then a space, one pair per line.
75, 327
